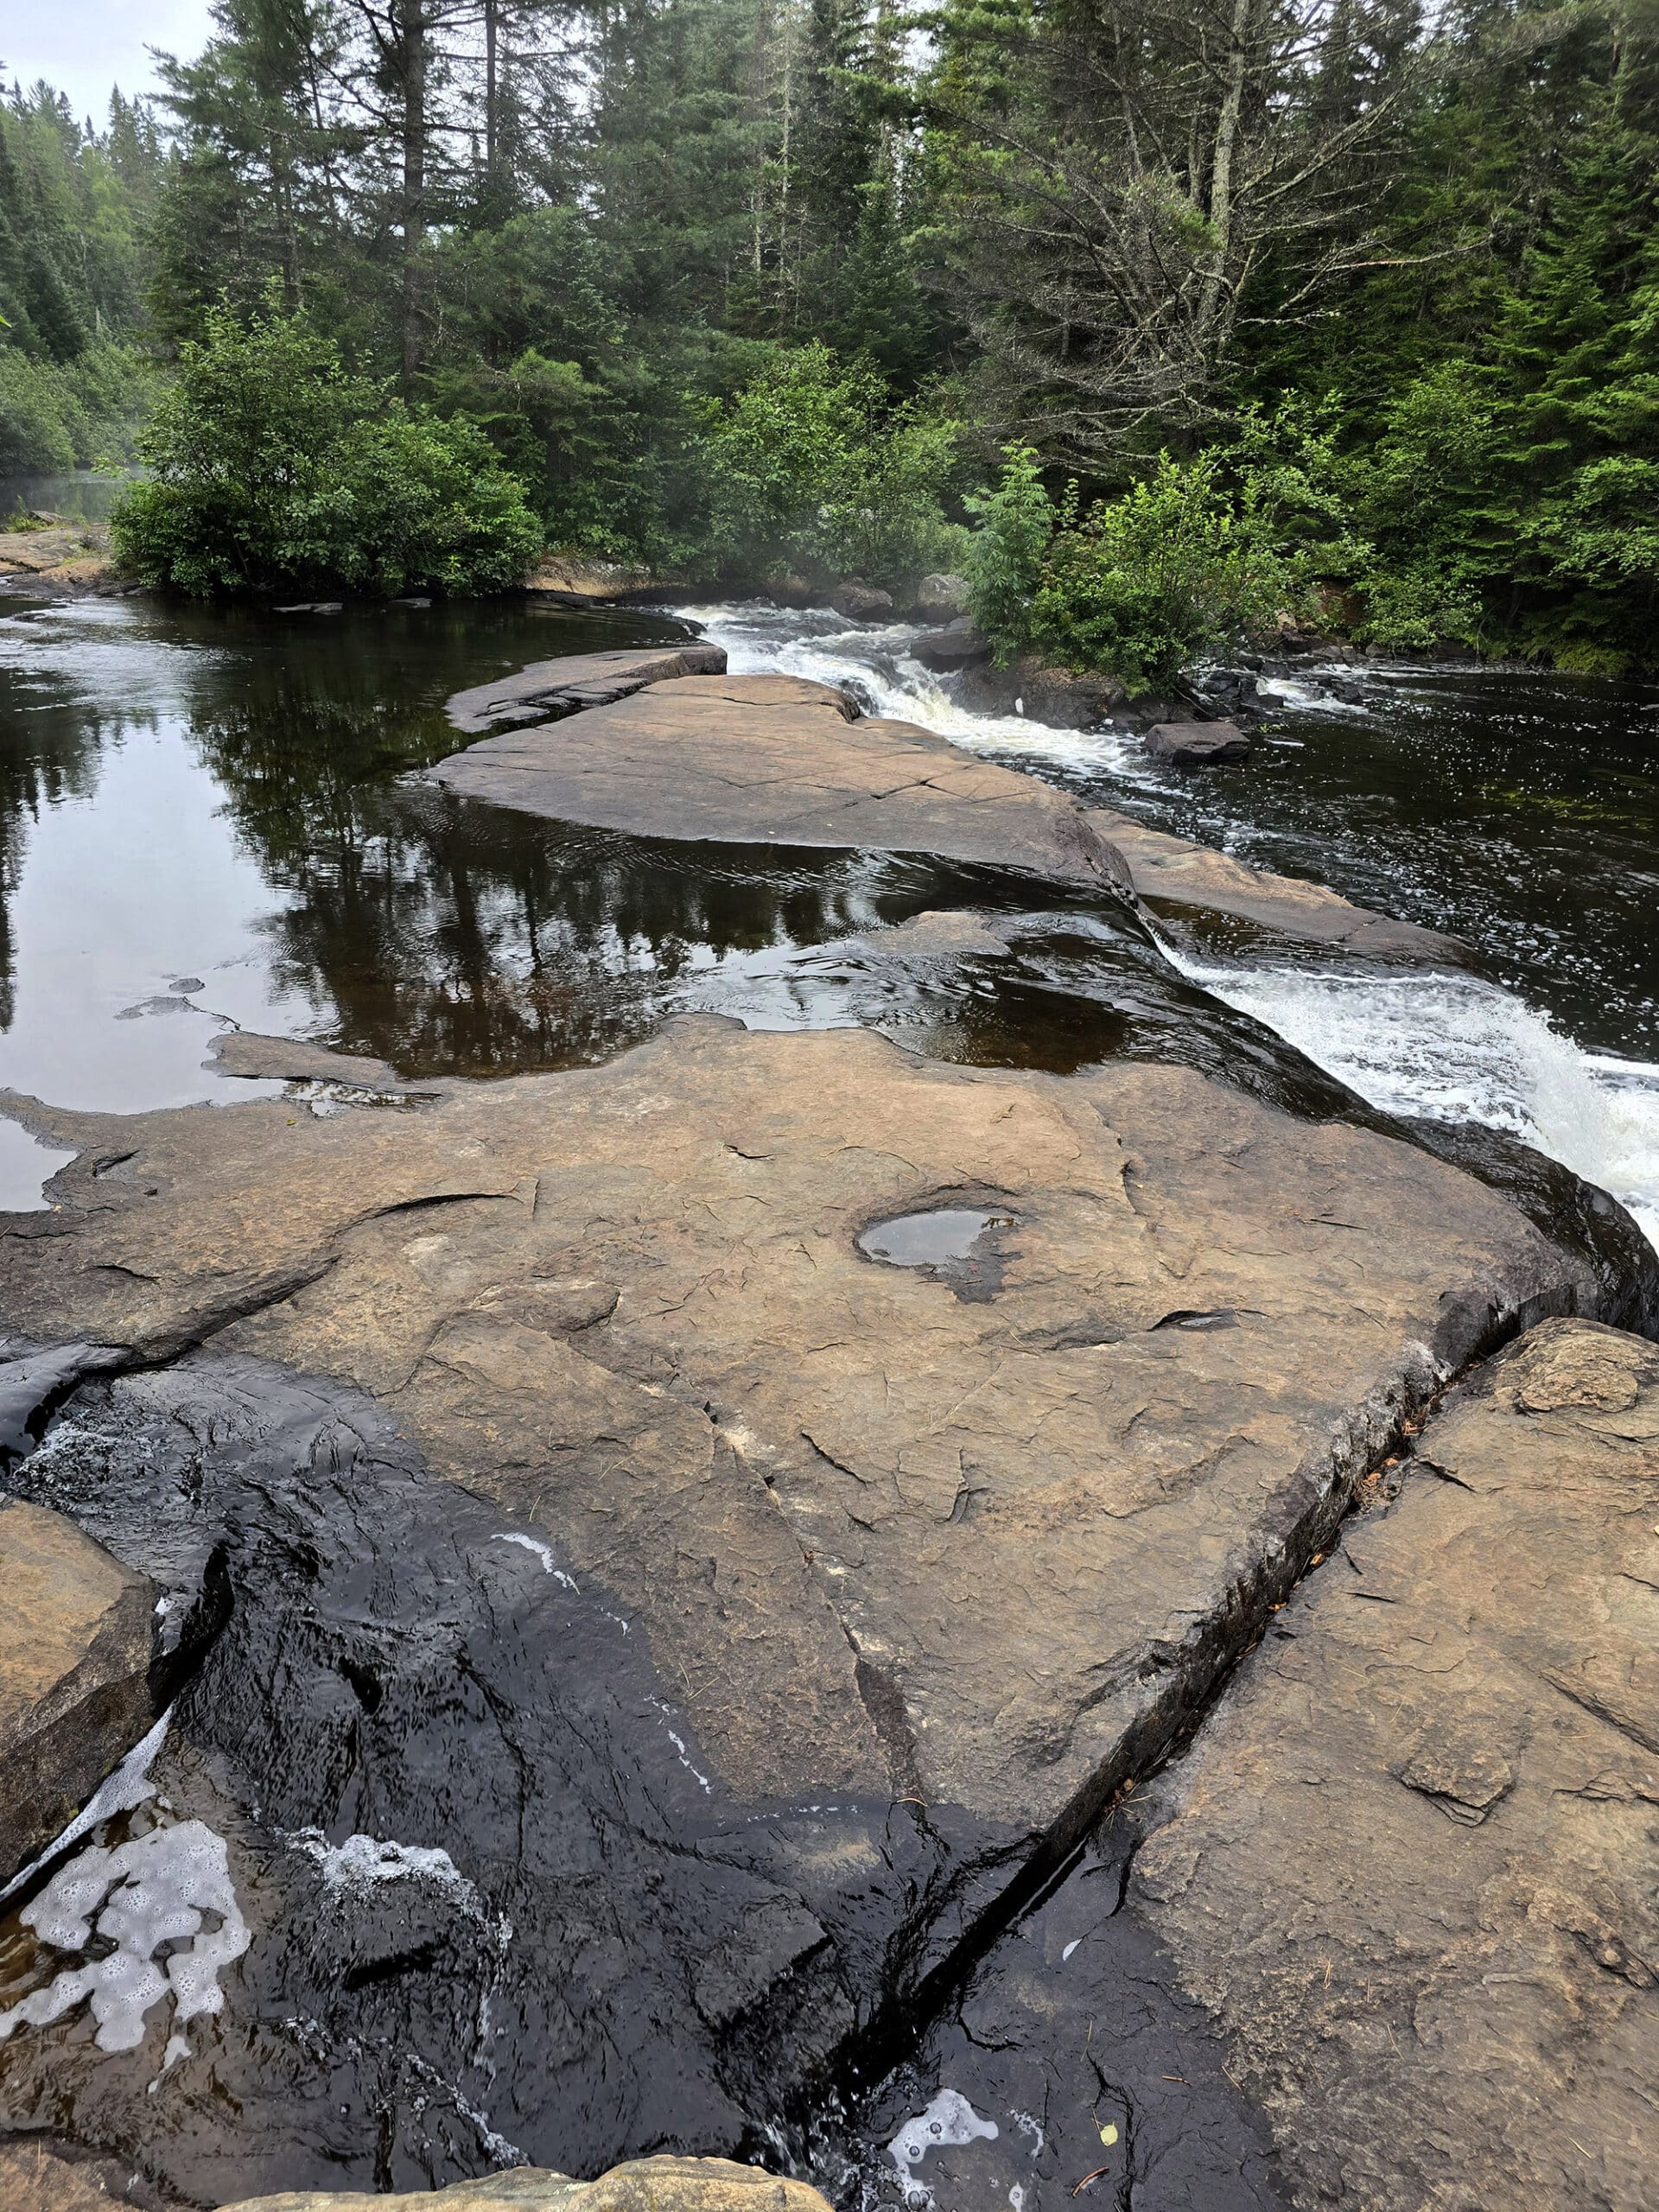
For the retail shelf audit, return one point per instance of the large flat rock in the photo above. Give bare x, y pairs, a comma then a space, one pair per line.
1413, 1865
976, 1533
778, 760
77, 1635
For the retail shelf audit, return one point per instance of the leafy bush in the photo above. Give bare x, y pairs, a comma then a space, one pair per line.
810, 466
273, 468
1136, 585
79, 414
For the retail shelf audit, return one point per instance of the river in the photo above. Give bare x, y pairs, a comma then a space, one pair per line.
215, 819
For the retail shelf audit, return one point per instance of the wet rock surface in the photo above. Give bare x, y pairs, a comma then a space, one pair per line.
779, 759
77, 1639
1197, 744
41, 2173
546, 689
1410, 1864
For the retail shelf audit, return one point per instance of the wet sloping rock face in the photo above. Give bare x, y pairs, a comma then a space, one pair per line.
642, 2185
77, 1638
1412, 1864
889, 1535
780, 759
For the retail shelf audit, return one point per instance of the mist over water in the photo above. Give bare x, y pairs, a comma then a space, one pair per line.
1521, 1054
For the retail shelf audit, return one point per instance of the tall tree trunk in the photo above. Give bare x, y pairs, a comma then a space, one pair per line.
1221, 171
415, 29
492, 142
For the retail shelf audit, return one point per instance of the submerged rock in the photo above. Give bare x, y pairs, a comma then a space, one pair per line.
546, 689
1411, 1866
77, 1639
663, 2184
42, 2173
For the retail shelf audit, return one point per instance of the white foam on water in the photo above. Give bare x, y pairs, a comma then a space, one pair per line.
363, 1863
948, 2122
1454, 1048
157, 1889
128, 1785
543, 1551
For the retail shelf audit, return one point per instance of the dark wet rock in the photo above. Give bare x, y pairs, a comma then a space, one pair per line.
862, 602
940, 598
1411, 1866
1044, 1489
663, 2184
1074, 2071
957, 645
77, 1639
294, 1060
312, 606
554, 687
1173, 872
780, 759
1197, 745
1058, 696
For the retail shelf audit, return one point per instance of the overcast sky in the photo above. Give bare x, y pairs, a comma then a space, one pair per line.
84, 46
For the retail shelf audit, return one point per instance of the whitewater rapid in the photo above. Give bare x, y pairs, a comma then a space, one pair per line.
1440, 1045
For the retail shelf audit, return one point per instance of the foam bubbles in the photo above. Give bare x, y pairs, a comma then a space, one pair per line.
947, 2123
158, 1888
1454, 1048
363, 1863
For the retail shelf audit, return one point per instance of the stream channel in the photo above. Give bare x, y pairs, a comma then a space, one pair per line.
487, 1904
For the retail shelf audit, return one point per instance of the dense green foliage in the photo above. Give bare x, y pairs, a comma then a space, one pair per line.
1346, 304
273, 469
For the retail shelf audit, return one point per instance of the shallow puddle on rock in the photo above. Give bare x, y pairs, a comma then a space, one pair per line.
931, 1239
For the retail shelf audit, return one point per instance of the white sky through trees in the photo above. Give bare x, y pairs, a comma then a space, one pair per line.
84, 47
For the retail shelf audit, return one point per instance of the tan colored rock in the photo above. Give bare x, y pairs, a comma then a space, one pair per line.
568, 576
295, 1059
41, 2173
35, 552
76, 1640
778, 760
977, 1535
1412, 1864
664, 2184
1174, 873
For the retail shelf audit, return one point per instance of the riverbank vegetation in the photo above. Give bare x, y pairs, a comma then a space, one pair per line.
1208, 318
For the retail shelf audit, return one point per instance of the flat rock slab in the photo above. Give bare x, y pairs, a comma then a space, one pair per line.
77, 1636
641, 2186
1413, 1865
295, 1060
778, 760
549, 689
1175, 871
976, 1535
1197, 745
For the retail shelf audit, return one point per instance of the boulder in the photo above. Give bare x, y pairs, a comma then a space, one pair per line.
1412, 1865
571, 576
77, 1638
549, 689
1197, 745
660, 2184
779, 759
939, 598
957, 645
1058, 696
975, 1534
862, 602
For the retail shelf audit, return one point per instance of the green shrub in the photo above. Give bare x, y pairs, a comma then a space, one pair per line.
810, 466
1137, 586
274, 469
